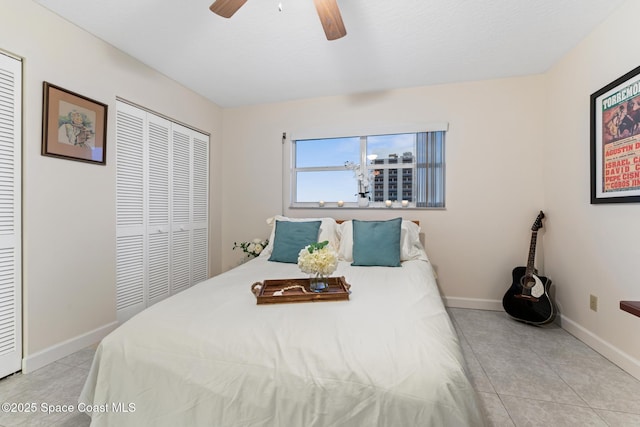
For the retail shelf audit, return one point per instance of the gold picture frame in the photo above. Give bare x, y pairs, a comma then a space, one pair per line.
73, 126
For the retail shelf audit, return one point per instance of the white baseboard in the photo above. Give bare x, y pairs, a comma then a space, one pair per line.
614, 354
479, 304
63, 349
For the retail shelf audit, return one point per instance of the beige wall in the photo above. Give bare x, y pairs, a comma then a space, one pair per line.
514, 146
69, 207
591, 249
494, 173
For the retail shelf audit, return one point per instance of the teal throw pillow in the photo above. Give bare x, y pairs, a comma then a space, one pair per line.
292, 236
377, 243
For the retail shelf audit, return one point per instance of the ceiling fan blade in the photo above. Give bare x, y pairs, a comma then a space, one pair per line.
226, 8
331, 19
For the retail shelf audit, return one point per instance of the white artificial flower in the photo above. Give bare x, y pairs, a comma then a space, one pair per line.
320, 262
363, 176
253, 248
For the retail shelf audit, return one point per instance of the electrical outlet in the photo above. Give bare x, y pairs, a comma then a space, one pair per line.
593, 302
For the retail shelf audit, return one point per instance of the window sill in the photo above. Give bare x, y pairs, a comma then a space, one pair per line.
354, 207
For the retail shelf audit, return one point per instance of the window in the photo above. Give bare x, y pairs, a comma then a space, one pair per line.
405, 169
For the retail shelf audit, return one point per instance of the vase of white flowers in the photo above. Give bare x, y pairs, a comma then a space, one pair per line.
319, 261
253, 248
364, 177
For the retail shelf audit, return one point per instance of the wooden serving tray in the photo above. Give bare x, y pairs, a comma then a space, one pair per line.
338, 291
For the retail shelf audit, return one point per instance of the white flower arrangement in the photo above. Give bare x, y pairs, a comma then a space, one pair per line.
252, 248
318, 259
363, 175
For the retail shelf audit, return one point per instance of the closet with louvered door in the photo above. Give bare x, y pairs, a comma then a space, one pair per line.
158, 201
181, 204
162, 208
131, 133
10, 215
200, 209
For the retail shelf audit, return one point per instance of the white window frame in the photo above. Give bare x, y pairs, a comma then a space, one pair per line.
293, 203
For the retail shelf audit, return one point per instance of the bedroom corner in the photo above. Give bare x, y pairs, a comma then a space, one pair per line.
69, 207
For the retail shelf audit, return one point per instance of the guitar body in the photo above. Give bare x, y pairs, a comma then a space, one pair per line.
527, 300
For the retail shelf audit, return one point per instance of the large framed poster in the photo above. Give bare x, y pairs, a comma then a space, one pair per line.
615, 141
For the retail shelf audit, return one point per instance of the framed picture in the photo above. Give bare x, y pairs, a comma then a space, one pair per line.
73, 126
615, 141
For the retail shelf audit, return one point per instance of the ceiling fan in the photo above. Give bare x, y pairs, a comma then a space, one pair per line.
328, 12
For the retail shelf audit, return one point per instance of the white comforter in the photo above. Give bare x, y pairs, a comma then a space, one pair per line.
210, 356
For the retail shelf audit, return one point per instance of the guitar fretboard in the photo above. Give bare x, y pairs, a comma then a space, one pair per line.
532, 254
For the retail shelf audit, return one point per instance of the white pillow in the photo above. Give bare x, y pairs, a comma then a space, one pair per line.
410, 246
328, 231
345, 250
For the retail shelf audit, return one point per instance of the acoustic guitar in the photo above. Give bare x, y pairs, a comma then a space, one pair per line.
527, 300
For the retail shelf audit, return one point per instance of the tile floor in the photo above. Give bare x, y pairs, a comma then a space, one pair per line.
542, 376
58, 383
524, 375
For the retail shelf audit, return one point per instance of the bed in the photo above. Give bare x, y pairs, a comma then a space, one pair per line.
210, 356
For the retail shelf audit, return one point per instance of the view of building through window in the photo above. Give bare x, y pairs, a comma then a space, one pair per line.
393, 183
393, 160
392, 168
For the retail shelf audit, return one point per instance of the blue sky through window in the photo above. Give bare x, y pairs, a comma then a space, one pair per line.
340, 184
329, 186
384, 145
327, 152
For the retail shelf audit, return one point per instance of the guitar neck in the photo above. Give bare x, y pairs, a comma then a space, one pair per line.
532, 254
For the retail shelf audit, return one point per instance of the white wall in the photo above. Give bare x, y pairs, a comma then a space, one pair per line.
514, 146
591, 249
69, 207
494, 173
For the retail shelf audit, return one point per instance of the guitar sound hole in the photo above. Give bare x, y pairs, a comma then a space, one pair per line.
528, 283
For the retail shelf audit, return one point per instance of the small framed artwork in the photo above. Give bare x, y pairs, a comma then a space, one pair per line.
615, 141
73, 126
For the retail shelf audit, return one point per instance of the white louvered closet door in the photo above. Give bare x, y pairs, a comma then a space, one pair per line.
10, 214
130, 211
200, 209
162, 208
190, 208
158, 228
181, 209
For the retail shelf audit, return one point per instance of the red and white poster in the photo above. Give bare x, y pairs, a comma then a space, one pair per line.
615, 138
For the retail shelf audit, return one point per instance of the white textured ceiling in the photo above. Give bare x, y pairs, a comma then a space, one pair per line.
262, 55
